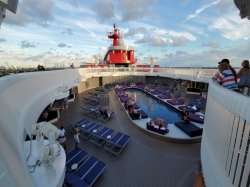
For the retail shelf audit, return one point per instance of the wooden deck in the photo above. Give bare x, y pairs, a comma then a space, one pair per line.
145, 161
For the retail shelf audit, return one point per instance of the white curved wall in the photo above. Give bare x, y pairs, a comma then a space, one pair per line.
24, 96
225, 151
22, 99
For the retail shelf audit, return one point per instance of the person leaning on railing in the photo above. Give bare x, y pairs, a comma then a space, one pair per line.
225, 77
244, 76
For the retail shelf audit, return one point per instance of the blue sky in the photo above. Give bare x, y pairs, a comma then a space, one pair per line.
177, 33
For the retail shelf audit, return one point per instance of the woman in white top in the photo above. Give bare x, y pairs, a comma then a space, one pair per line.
62, 138
76, 136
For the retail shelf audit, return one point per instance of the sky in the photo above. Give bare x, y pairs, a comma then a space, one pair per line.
175, 33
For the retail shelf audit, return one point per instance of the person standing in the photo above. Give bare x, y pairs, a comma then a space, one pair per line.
62, 137
45, 115
185, 116
66, 103
244, 74
225, 77
230, 67
76, 136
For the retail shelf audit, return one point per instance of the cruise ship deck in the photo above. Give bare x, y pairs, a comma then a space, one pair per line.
146, 161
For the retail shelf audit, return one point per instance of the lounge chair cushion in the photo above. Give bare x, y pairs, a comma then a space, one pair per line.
190, 129
156, 129
196, 118
179, 101
190, 108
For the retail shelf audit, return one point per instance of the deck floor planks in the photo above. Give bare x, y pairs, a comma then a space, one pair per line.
145, 161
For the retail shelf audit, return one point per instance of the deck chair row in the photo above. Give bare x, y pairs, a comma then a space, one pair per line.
92, 101
87, 169
113, 142
96, 113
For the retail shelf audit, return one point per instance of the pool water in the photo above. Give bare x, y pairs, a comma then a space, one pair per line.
153, 107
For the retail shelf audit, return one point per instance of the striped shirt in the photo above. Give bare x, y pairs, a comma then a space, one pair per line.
227, 80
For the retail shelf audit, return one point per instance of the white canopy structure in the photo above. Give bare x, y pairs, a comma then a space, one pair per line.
244, 8
10, 5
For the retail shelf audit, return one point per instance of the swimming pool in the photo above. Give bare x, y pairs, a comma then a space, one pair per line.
153, 107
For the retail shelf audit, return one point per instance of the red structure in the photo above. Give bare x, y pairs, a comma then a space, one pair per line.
118, 54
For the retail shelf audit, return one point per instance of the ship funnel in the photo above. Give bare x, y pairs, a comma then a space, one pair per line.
120, 42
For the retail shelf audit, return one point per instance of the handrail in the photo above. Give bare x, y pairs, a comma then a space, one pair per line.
225, 150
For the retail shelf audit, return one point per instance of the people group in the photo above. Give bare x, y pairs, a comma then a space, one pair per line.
228, 77
161, 123
244, 75
105, 112
40, 68
185, 116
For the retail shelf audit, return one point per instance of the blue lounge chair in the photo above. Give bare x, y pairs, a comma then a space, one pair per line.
120, 145
77, 159
86, 174
116, 144
104, 117
101, 137
91, 100
87, 131
72, 154
79, 123
113, 140
91, 111
88, 109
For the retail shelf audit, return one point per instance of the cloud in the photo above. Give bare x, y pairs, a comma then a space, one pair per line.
135, 9
134, 31
179, 41
2, 40
152, 40
231, 27
26, 44
175, 34
68, 31
74, 3
31, 11
35, 58
201, 9
225, 6
1, 51
64, 6
161, 37
212, 44
182, 58
62, 45
104, 10
184, 2
194, 29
